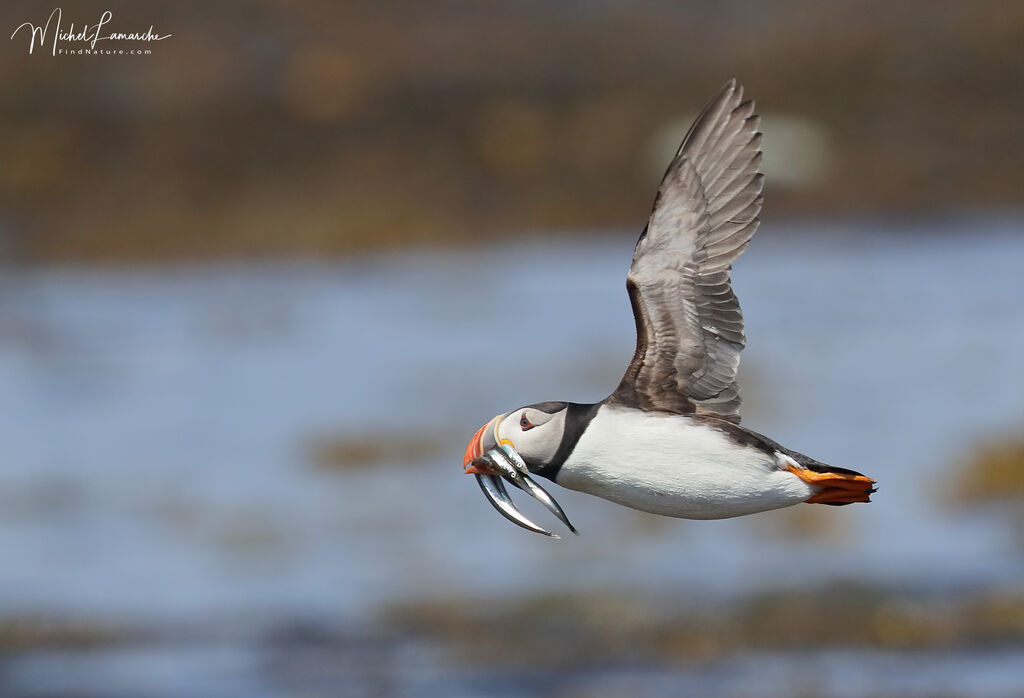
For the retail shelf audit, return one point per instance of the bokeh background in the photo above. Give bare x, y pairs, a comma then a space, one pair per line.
258, 289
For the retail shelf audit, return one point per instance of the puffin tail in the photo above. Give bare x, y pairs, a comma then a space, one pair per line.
833, 486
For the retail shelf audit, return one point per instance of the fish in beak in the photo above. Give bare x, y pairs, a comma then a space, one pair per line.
491, 462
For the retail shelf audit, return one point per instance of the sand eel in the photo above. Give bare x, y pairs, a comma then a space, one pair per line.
668, 439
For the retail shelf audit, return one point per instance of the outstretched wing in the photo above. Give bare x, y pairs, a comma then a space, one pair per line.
688, 322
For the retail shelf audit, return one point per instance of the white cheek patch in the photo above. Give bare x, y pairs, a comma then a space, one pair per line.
514, 439
539, 443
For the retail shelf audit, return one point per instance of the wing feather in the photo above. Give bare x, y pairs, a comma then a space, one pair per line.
689, 324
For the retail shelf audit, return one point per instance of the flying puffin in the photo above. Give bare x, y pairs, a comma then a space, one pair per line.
668, 440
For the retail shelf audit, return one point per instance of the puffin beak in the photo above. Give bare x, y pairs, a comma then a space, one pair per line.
474, 450
504, 462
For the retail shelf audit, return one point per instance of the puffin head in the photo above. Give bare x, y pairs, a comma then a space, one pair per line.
534, 431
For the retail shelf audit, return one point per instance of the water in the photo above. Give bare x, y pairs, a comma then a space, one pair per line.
157, 424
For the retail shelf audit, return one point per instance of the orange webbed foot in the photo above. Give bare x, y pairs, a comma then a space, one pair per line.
835, 488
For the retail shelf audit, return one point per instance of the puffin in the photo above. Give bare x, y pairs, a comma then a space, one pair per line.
668, 439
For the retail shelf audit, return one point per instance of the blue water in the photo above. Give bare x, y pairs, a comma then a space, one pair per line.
155, 427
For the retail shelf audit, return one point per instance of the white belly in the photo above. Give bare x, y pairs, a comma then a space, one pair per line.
668, 465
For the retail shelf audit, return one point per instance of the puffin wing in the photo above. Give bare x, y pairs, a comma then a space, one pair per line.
688, 322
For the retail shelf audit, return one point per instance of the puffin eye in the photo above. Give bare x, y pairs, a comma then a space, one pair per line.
525, 423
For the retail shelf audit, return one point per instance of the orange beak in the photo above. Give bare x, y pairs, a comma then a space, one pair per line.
474, 450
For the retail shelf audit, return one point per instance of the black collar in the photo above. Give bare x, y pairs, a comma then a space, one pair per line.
577, 419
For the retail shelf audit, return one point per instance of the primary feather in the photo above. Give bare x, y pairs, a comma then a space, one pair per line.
689, 324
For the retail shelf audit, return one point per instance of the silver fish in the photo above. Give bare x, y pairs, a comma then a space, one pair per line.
497, 495
513, 469
531, 487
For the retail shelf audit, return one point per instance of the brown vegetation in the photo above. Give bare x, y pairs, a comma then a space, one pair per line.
318, 128
995, 473
595, 628
365, 450
24, 633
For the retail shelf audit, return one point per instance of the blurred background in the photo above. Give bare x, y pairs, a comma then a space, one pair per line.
247, 326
